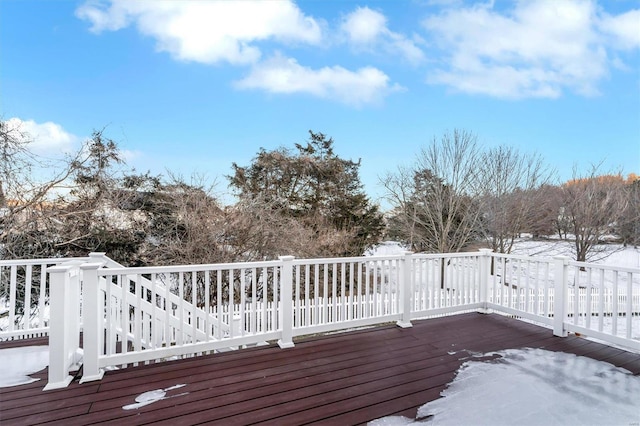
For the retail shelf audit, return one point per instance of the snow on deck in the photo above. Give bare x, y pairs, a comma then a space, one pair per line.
533, 387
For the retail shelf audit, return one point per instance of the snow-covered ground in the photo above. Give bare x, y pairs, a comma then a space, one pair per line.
386, 248
608, 254
533, 387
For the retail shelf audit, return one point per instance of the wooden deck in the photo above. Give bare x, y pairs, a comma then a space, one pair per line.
339, 379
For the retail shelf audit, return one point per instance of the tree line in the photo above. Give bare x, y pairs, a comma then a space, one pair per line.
457, 194
304, 201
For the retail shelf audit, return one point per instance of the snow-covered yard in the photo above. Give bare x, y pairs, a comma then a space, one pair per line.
607, 254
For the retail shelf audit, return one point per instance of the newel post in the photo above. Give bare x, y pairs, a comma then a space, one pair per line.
286, 302
64, 323
98, 257
93, 314
485, 267
405, 289
561, 295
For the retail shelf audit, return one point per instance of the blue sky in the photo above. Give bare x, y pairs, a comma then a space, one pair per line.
194, 86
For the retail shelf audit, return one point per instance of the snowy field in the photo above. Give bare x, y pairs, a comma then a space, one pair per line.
607, 254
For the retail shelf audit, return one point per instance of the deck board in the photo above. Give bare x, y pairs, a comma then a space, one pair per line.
343, 378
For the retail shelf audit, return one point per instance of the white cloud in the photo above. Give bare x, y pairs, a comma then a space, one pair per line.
364, 26
538, 49
367, 29
207, 31
285, 75
45, 138
235, 32
624, 28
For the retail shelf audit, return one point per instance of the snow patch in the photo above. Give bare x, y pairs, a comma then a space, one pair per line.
152, 396
386, 248
17, 363
533, 387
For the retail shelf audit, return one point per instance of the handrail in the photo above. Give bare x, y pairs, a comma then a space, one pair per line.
235, 304
26, 299
114, 268
49, 260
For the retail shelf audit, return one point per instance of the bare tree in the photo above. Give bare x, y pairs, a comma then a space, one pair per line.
30, 207
29, 187
545, 212
257, 230
434, 200
510, 199
629, 226
592, 205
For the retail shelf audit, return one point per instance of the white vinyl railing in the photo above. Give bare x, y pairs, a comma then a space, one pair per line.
522, 286
599, 301
447, 283
151, 314
329, 293
24, 296
603, 302
154, 313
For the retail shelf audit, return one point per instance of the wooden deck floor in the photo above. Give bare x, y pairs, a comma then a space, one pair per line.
340, 379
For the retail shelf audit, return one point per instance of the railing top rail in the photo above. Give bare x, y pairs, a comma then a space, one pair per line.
116, 268
523, 257
604, 266
447, 255
47, 261
187, 268
330, 260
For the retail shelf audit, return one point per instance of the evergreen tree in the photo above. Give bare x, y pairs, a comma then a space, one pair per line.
318, 188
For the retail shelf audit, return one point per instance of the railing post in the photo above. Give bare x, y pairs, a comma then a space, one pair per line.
560, 295
98, 257
406, 290
286, 302
93, 314
63, 324
485, 265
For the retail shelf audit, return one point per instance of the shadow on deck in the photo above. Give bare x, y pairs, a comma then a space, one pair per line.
341, 379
